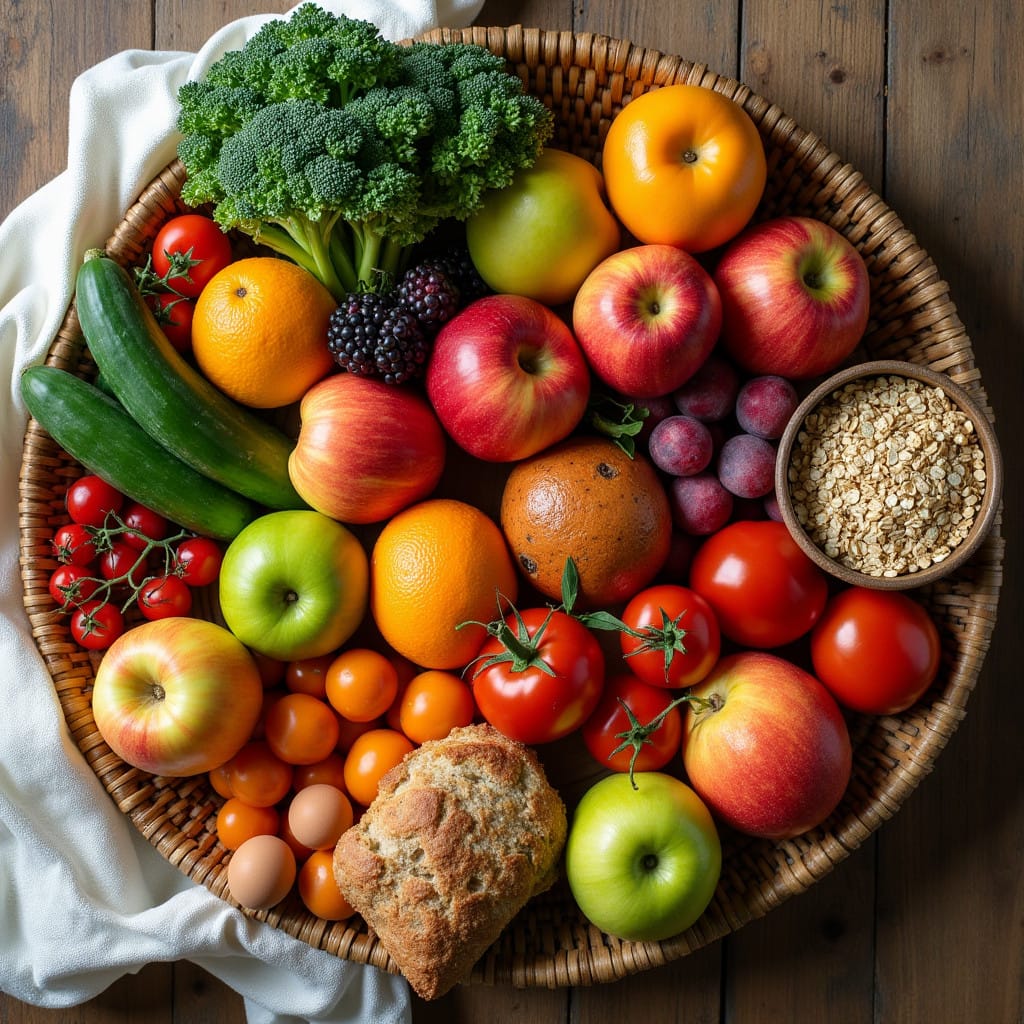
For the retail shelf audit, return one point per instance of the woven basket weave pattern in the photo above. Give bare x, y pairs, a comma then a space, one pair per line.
585, 79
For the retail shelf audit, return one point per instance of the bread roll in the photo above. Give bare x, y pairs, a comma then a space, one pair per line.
462, 833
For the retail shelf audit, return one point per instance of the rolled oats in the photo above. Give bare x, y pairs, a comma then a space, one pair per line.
891, 444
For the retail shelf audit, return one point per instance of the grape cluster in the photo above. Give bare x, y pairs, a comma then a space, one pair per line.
716, 441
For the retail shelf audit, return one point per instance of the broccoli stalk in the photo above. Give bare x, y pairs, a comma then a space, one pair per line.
341, 151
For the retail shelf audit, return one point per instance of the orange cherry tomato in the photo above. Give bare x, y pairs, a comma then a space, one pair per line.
372, 756
406, 672
684, 165
238, 821
361, 684
271, 670
258, 776
309, 675
433, 704
318, 889
330, 770
220, 780
349, 732
301, 729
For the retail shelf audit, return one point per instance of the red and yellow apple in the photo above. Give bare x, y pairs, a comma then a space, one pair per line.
507, 378
365, 449
177, 696
647, 318
766, 746
795, 298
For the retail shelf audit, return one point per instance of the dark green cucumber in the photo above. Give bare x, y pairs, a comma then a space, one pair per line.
172, 401
95, 431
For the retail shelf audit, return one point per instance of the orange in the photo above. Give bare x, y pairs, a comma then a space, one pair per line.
435, 565
260, 331
588, 500
684, 166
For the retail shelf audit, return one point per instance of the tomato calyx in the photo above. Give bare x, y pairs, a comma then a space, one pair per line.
519, 651
639, 732
179, 266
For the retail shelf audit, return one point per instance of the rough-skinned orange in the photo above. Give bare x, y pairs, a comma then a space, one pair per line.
586, 499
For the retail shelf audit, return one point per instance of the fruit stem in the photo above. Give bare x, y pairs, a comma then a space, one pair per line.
519, 649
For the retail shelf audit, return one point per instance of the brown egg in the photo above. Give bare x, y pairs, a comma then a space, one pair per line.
318, 815
261, 872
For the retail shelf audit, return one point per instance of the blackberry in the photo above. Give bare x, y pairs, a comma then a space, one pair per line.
429, 293
354, 330
461, 270
402, 346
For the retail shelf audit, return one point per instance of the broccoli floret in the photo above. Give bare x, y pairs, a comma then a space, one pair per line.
342, 150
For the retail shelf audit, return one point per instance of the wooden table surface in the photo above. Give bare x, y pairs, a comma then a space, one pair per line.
926, 921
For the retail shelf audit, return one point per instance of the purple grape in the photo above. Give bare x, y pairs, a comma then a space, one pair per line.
746, 466
771, 507
764, 406
700, 504
710, 394
681, 445
658, 409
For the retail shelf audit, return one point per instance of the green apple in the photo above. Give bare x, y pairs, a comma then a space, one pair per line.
544, 233
294, 584
642, 863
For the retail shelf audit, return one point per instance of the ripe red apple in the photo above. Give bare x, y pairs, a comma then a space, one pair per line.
769, 752
365, 449
507, 378
647, 319
177, 696
795, 298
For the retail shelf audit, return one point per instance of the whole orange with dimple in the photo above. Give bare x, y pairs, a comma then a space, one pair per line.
259, 332
435, 565
586, 499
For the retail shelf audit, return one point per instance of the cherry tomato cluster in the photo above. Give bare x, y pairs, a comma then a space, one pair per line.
187, 252
116, 553
337, 722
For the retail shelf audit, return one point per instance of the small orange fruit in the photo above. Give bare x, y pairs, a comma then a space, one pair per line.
588, 500
435, 565
260, 331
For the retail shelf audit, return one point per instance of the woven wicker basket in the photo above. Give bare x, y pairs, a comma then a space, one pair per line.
586, 79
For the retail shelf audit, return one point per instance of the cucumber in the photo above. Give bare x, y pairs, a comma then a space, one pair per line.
172, 401
94, 430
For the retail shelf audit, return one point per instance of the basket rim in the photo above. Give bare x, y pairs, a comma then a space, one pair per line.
572, 952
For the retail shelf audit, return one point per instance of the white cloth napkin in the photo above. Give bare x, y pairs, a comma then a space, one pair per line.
84, 899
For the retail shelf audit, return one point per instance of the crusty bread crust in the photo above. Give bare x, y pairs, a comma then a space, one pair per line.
462, 833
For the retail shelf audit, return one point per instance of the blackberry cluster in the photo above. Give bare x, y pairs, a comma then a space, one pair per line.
390, 335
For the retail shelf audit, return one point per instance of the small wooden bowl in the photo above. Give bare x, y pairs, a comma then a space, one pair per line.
843, 566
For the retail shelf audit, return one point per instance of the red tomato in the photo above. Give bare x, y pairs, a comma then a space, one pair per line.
202, 247
73, 545
165, 597
603, 731
144, 525
548, 689
876, 650
674, 639
174, 314
96, 625
72, 585
122, 561
200, 560
764, 591
89, 499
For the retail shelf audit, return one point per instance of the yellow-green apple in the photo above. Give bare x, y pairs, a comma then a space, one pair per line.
766, 746
365, 449
642, 863
795, 298
294, 584
177, 696
546, 231
647, 318
507, 378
